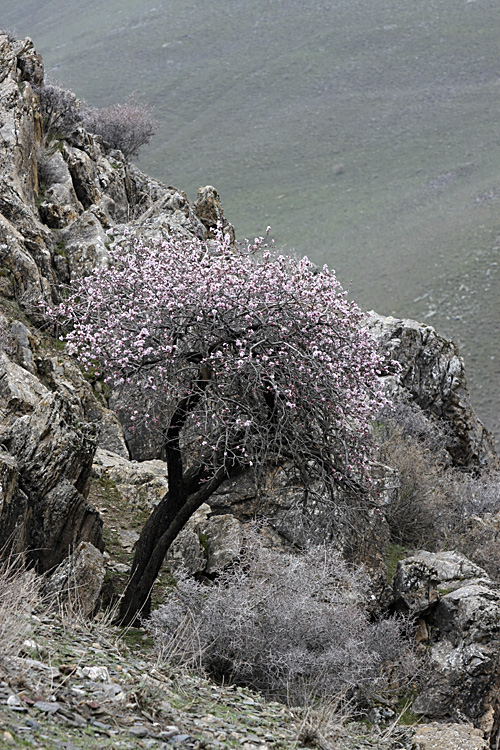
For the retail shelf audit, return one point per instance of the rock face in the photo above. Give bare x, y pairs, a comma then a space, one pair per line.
206, 545
432, 376
46, 470
458, 607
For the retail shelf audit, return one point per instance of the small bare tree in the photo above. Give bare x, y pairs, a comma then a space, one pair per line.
242, 359
127, 126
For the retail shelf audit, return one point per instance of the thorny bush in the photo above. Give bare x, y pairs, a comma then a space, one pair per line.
292, 626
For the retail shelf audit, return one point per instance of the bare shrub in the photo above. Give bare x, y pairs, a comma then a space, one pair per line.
287, 625
413, 514
19, 594
61, 110
126, 127
472, 522
412, 422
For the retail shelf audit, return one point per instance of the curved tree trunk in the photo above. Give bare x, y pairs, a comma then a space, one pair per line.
161, 529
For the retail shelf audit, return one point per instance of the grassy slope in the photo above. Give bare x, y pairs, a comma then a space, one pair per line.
266, 99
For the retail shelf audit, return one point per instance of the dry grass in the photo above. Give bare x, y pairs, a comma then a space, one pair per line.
19, 597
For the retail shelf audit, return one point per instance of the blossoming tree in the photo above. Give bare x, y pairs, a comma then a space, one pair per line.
242, 358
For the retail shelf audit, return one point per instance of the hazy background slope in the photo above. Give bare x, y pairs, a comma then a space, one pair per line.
365, 132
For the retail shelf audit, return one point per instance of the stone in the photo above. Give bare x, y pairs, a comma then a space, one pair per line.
21, 338
208, 208
460, 608
20, 391
223, 540
85, 242
422, 578
96, 674
138, 730
171, 213
140, 483
77, 582
448, 737
46, 707
433, 377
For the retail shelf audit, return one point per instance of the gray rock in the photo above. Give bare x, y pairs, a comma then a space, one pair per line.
460, 607
141, 484
21, 338
76, 584
448, 737
433, 377
223, 540
138, 731
85, 243
47, 512
208, 209
20, 391
421, 579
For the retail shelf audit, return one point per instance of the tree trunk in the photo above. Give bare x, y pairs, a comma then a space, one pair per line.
160, 530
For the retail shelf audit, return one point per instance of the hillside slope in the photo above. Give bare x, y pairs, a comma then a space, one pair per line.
364, 132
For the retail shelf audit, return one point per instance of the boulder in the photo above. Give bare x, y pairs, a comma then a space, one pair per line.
171, 213
20, 391
84, 242
76, 583
207, 544
140, 484
458, 607
432, 376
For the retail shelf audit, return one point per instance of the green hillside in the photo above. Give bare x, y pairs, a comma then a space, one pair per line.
365, 132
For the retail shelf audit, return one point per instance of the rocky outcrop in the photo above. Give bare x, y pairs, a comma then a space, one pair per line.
44, 512
432, 376
58, 199
458, 611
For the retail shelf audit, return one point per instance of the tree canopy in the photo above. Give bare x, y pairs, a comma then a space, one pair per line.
240, 357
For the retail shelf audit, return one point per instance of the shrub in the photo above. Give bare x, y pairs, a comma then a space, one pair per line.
473, 526
61, 110
126, 127
290, 626
412, 445
437, 507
